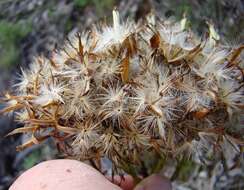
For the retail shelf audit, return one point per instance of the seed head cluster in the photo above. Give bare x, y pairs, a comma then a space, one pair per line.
133, 89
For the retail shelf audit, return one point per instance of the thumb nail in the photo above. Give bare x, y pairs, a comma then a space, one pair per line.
154, 182
139, 187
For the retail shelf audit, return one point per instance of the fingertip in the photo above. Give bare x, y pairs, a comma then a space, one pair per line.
62, 175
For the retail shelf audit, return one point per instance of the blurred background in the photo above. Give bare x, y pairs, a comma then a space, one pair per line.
36, 27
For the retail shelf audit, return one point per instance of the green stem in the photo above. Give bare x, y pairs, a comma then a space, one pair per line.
177, 170
159, 166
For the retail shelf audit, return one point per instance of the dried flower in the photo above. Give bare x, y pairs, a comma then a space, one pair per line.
129, 90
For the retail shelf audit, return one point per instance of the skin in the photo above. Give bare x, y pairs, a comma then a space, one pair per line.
75, 175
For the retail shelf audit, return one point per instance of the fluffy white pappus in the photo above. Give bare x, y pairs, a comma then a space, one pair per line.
114, 93
195, 101
37, 65
107, 70
135, 139
114, 104
223, 72
117, 112
156, 82
155, 75
68, 73
180, 39
42, 69
76, 45
74, 40
231, 93
49, 93
59, 57
213, 66
110, 36
28, 77
155, 91
143, 97
175, 36
194, 97
85, 139
109, 143
135, 67
79, 100
22, 116
149, 123
160, 72
217, 56
24, 81
65, 55
166, 83
155, 112
71, 49
170, 26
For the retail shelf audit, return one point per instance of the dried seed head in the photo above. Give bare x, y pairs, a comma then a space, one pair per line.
128, 91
